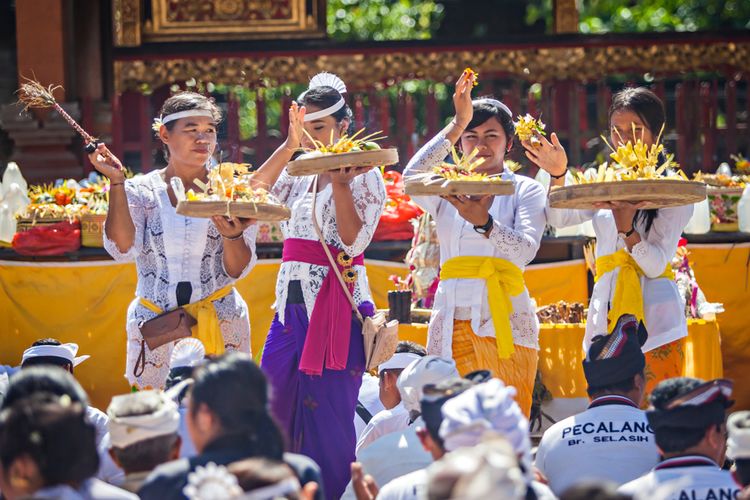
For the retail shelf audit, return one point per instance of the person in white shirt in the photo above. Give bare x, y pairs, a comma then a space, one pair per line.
688, 418
483, 316
611, 440
738, 446
420, 372
388, 395
188, 354
634, 247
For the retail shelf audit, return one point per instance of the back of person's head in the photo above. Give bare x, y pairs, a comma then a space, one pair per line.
488, 470
143, 429
593, 491
434, 396
39, 379
235, 390
411, 347
47, 360
426, 370
266, 478
187, 354
738, 445
684, 409
53, 432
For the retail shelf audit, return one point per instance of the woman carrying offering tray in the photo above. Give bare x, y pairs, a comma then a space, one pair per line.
314, 353
182, 262
483, 316
634, 246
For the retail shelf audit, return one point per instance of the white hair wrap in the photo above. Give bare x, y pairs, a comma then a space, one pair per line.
327, 80
127, 430
65, 351
486, 408
398, 361
738, 442
495, 102
419, 373
184, 114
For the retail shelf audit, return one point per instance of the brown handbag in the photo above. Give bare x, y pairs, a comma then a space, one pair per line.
380, 336
163, 329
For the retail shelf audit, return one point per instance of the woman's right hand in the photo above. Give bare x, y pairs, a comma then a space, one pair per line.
107, 164
462, 99
296, 126
549, 156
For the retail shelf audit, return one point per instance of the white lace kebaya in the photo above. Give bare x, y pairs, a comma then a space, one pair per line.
368, 191
168, 249
515, 236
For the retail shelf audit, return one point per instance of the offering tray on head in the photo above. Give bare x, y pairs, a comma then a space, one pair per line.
655, 193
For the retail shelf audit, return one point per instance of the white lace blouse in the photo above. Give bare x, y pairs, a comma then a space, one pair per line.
516, 236
368, 191
663, 309
170, 248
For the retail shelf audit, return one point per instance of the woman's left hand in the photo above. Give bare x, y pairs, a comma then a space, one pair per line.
474, 210
345, 175
231, 227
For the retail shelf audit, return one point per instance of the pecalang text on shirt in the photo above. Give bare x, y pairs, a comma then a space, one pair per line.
607, 428
711, 494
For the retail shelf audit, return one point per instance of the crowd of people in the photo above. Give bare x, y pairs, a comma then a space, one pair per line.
445, 420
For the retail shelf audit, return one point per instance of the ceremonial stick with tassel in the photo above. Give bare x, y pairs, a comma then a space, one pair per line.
33, 95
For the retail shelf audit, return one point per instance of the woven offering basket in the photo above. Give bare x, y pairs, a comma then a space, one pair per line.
261, 211
92, 230
320, 164
657, 193
441, 187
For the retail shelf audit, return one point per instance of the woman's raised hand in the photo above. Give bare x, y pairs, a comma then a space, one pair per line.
107, 164
462, 99
296, 124
549, 156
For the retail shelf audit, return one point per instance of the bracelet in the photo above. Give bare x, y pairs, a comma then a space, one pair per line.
561, 175
455, 123
233, 238
116, 183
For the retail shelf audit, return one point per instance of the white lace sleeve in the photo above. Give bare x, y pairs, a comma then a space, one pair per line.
138, 214
283, 186
368, 191
564, 217
249, 236
521, 242
657, 248
428, 156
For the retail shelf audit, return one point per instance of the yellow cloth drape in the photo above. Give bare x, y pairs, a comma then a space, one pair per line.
208, 329
504, 280
628, 297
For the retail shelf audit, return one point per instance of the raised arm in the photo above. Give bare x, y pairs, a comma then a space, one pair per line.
268, 173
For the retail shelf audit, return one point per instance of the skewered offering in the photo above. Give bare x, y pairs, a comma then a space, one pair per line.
458, 178
228, 192
347, 151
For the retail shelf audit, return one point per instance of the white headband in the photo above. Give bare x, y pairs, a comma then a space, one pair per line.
65, 351
495, 102
326, 80
127, 430
398, 361
184, 114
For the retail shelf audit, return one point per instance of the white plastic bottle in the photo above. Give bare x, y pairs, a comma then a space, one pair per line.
700, 222
743, 210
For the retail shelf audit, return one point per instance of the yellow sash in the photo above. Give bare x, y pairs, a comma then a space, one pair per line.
504, 280
208, 329
628, 297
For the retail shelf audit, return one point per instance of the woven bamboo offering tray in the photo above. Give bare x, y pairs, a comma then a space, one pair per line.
656, 193
439, 186
269, 212
318, 163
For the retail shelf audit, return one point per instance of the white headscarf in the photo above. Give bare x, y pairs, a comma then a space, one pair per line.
738, 442
162, 420
426, 370
487, 408
65, 351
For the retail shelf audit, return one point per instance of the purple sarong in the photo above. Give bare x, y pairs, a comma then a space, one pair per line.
315, 412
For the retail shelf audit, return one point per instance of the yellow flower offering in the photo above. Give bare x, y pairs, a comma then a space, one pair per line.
347, 144
463, 168
471, 72
229, 182
526, 126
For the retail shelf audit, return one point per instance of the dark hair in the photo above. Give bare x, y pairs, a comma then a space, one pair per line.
650, 109
48, 360
411, 347
177, 375
254, 473
675, 439
235, 389
593, 491
742, 465
40, 379
324, 97
484, 110
146, 455
54, 433
185, 101
619, 387
432, 402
